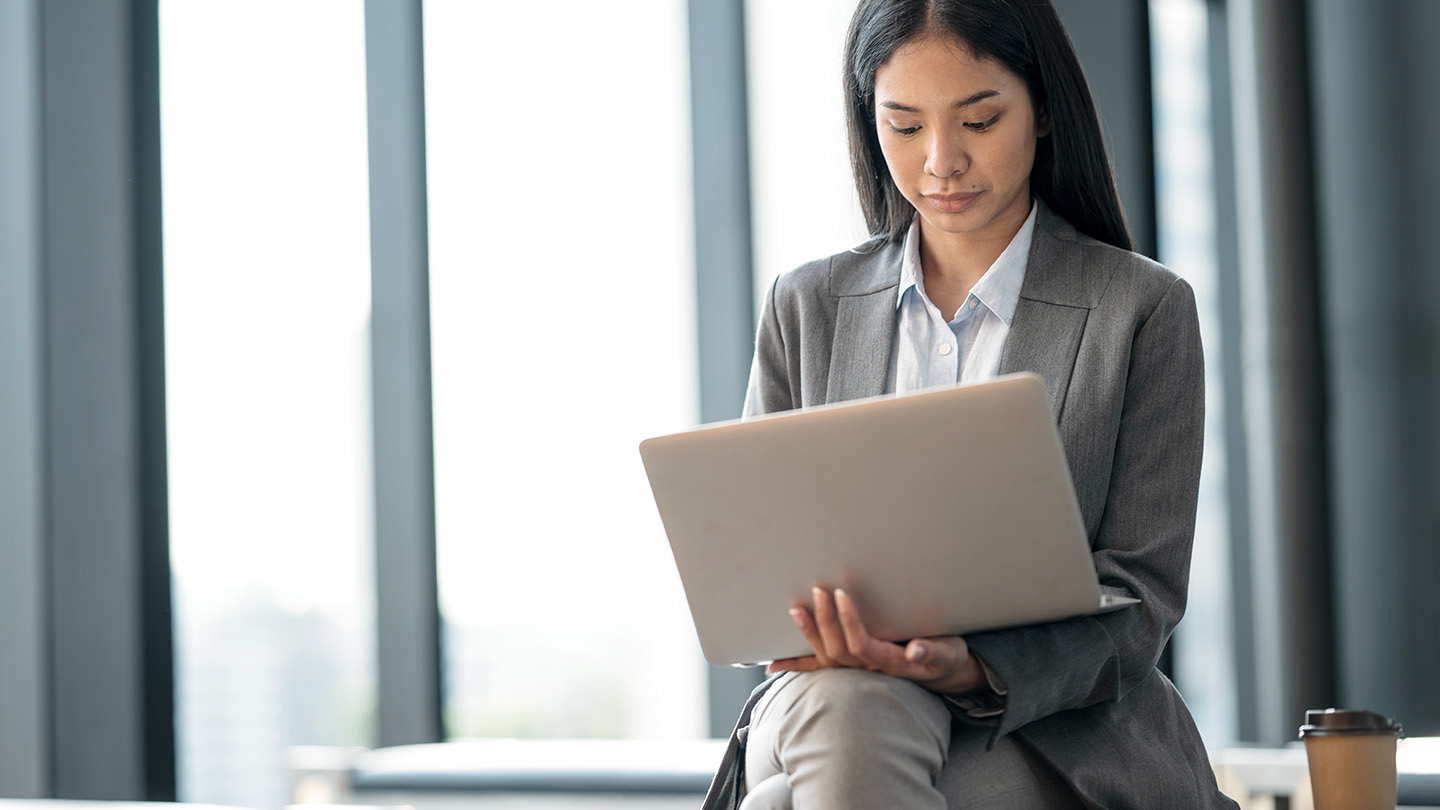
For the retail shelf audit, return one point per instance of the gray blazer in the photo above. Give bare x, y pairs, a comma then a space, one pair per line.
1116, 339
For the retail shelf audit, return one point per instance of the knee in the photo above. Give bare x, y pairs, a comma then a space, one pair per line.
852, 724
848, 691
856, 701
771, 794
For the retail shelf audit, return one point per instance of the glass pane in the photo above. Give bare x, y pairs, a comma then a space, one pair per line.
563, 334
267, 308
804, 200
1204, 658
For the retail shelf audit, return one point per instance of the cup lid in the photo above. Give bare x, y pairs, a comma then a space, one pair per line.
1331, 722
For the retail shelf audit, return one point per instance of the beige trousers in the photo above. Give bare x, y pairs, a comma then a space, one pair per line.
847, 738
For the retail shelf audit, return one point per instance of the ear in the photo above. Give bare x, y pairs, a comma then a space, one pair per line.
1042, 124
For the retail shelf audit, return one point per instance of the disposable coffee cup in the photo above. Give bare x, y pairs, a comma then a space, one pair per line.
1352, 759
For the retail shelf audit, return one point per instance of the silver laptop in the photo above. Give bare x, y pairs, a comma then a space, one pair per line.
945, 512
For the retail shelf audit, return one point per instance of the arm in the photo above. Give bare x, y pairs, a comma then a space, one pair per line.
769, 388
1143, 541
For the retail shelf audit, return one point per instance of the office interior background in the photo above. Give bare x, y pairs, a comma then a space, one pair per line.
328, 330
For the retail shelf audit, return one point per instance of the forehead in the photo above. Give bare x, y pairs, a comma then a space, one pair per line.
941, 69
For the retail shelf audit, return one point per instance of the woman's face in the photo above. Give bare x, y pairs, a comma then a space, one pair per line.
958, 134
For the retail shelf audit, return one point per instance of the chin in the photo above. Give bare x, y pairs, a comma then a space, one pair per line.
968, 221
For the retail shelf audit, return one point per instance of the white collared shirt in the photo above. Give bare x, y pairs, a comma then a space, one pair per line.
929, 351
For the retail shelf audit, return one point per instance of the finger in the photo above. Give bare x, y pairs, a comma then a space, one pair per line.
857, 638
925, 661
952, 666
829, 628
936, 661
806, 623
942, 652
929, 654
804, 663
871, 652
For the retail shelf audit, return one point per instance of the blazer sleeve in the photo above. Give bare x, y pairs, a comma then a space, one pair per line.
1144, 537
769, 389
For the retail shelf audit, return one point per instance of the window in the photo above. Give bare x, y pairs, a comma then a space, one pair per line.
562, 320
804, 199
267, 352
1185, 199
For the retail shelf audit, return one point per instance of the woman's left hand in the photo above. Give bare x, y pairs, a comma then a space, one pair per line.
838, 637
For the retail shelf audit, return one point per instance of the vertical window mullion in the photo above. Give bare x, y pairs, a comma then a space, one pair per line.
108, 605
407, 607
24, 696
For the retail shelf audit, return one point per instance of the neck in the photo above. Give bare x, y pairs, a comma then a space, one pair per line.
962, 258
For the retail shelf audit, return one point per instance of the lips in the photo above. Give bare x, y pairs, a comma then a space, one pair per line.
952, 203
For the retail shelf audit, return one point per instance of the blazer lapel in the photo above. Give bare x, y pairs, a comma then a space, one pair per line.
1055, 301
1044, 338
864, 287
864, 330
1059, 290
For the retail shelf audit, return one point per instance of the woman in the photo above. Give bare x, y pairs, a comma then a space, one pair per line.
1000, 246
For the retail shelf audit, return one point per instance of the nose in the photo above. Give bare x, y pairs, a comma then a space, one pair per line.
946, 154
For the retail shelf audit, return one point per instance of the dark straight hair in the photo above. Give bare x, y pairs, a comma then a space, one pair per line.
1071, 173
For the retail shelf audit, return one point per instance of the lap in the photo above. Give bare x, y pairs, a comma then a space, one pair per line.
877, 710
1008, 775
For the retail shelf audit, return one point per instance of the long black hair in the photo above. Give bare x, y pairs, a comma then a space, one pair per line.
1071, 172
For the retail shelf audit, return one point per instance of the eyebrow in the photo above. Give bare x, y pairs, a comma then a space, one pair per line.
980, 96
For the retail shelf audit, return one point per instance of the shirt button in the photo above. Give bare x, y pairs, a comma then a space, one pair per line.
972, 303
945, 349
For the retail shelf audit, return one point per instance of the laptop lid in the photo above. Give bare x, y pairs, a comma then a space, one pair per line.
944, 512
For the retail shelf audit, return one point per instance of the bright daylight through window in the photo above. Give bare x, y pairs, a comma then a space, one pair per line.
267, 297
562, 320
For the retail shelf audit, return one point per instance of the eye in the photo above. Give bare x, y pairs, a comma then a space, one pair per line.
981, 126
904, 130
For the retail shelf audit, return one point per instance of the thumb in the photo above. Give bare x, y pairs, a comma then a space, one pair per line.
924, 653
935, 658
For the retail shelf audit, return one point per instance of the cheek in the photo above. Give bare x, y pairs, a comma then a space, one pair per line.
900, 162
1018, 159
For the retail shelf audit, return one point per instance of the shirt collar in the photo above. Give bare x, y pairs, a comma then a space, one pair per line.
910, 263
998, 289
